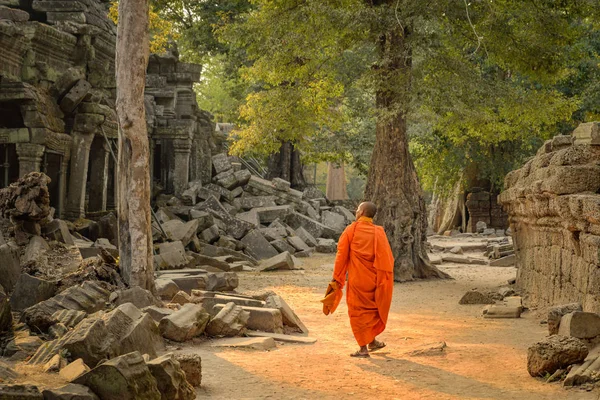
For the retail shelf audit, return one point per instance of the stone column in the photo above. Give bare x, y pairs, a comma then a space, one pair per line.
182, 149
30, 157
99, 176
80, 154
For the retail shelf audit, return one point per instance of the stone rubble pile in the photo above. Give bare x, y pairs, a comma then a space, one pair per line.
466, 248
239, 219
65, 309
571, 353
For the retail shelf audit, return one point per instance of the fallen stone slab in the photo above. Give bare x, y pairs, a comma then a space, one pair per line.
296, 220
209, 302
210, 234
586, 372
579, 324
257, 343
502, 311
55, 364
129, 378
74, 370
266, 215
190, 321
251, 217
476, 297
282, 338
107, 335
275, 233
127, 329
507, 261
11, 267
298, 243
257, 246
179, 231
230, 321
348, 215
59, 231
304, 254
430, 349
158, 313
282, 246
261, 319
249, 202
22, 346
555, 315
69, 318
288, 315
170, 378
326, 246
334, 221
221, 163
71, 391
181, 298
458, 259
279, 262
165, 288
35, 252
201, 260
214, 251
20, 392
191, 364
554, 352
136, 295
88, 297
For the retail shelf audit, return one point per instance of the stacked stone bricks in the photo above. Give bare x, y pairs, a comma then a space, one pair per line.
554, 210
57, 106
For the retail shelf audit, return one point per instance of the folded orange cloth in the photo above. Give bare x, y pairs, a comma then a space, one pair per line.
333, 296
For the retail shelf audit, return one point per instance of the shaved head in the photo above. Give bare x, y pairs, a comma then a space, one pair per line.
367, 209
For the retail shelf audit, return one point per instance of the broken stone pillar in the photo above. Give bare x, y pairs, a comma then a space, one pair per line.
80, 154
99, 176
182, 149
30, 157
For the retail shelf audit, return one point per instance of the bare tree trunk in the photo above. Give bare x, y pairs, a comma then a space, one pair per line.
286, 165
392, 183
135, 231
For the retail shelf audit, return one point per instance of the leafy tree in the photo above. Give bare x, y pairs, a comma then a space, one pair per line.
463, 79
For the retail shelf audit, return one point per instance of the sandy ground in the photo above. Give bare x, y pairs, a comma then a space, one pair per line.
485, 359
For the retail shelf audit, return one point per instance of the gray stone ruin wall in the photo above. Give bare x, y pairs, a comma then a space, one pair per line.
554, 210
57, 106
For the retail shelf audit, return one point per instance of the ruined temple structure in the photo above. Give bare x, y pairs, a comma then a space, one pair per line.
483, 206
57, 106
553, 203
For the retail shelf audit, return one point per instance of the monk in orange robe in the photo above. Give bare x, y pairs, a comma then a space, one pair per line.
364, 253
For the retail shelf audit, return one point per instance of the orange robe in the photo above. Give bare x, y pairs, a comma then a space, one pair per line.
365, 254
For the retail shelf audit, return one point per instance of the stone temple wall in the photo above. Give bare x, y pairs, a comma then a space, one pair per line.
554, 209
57, 106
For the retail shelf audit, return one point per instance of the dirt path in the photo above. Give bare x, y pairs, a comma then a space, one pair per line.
485, 359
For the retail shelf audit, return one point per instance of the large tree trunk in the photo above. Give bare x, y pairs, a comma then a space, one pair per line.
135, 231
286, 165
392, 183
